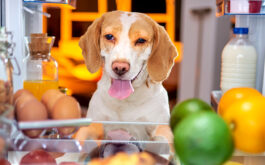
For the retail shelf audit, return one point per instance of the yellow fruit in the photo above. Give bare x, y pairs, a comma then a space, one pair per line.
246, 119
235, 94
232, 163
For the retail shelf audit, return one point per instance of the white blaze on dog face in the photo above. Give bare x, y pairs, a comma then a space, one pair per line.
130, 39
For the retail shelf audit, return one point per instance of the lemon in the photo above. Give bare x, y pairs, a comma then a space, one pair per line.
232, 163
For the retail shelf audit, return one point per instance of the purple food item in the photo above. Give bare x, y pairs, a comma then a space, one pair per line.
113, 148
119, 134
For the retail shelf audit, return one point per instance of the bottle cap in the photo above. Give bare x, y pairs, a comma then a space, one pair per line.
240, 30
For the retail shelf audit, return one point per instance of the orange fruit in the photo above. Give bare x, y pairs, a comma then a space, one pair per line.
234, 95
246, 119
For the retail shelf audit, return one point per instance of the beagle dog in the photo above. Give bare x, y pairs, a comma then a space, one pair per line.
136, 55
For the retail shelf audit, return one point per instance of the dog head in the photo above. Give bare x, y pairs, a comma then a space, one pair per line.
128, 44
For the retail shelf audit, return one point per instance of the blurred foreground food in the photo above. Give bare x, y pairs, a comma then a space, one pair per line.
203, 138
125, 159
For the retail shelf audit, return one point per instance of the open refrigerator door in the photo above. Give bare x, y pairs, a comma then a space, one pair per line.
248, 14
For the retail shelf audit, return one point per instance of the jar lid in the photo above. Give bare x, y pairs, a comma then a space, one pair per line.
240, 30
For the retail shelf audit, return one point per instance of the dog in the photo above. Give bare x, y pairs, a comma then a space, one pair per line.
136, 54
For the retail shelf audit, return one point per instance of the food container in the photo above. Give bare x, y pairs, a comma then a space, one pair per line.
41, 67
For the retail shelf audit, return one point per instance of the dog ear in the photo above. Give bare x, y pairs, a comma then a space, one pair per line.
89, 44
161, 59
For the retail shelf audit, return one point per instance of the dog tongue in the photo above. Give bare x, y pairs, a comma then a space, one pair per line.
121, 89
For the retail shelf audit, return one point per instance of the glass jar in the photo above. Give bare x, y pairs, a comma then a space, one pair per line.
6, 71
6, 91
41, 68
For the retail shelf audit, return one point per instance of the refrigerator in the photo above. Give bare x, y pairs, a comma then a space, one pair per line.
23, 18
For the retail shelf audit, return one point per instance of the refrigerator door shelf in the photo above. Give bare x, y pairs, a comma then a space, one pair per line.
72, 3
240, 7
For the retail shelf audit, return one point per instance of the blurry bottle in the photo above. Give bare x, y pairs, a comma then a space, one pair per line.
239, 60
41, 68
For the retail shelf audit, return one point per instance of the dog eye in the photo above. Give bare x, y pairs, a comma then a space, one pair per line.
140, 41
109, 37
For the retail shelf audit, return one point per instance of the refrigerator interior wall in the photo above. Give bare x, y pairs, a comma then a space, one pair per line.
14, 24
21, 23
33, 21
204, 37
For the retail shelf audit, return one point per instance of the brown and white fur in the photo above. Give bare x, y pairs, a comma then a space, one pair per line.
148, 64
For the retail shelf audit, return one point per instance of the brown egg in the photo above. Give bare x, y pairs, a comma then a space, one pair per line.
49, 98
33, 110
66, 107
21, 92
66, 131
22, 100
33, 133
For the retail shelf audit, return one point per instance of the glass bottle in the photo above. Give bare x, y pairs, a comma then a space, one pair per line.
239, 60
41, 68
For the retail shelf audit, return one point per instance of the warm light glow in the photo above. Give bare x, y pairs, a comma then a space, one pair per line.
81, 72
178, 45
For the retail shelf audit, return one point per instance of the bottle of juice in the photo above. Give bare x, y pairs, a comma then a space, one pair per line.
239, 60
41, 68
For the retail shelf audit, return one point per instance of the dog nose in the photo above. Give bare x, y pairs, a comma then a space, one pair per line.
120, 68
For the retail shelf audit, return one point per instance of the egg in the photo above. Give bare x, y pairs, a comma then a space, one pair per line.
49, 98
22, 100
21, 92
33, 110
66, 107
